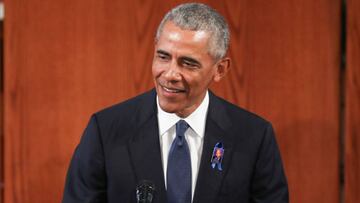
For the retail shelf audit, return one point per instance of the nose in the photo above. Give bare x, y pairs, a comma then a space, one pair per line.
173, 72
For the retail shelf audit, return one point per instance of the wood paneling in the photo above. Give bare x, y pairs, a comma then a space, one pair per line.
67, 59
352, 104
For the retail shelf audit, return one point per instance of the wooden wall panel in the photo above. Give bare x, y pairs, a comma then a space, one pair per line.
66, 59
352, 104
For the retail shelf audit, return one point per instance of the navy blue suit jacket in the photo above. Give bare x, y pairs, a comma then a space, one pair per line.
120, 147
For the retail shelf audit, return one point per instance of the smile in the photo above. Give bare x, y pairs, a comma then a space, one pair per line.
171, 90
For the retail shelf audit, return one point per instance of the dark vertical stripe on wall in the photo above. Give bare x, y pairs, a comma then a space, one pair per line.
342, 91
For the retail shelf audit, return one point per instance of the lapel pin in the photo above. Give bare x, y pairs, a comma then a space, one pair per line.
217, 156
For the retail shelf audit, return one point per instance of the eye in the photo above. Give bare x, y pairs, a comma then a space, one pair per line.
163, 57
189, 64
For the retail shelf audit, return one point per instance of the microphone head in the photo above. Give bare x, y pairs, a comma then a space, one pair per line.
145, 191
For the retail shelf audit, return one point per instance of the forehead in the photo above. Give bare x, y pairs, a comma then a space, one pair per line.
174, 37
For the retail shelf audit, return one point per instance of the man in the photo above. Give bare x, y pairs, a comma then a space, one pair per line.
192, 145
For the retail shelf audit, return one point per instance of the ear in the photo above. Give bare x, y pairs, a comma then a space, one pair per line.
222, 67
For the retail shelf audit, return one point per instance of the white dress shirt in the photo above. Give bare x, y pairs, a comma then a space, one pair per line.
194, 136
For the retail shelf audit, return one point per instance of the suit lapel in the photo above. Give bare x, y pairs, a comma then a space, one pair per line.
144, 148
209, 180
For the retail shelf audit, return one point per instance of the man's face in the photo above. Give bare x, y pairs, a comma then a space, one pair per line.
183, 69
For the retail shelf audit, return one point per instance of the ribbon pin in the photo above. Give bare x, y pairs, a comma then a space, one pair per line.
217, 156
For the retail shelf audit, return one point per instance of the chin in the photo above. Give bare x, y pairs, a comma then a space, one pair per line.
168, 107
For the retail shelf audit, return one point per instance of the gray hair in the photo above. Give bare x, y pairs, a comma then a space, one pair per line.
200, 17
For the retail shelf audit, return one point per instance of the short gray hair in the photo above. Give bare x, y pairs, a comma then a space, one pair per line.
196, 17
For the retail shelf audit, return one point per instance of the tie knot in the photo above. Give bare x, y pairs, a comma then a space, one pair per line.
181, 127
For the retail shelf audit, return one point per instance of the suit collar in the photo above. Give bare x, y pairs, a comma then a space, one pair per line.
147, 107
217, 112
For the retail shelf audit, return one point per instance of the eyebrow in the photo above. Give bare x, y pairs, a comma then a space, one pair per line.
183, 58
162, 52
191, 60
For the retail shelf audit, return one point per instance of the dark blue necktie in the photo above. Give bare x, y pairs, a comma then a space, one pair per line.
179, 167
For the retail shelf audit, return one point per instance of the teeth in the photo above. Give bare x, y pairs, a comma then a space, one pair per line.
170, 90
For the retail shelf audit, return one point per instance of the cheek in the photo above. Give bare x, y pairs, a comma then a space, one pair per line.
156, 70
199, 82
193, 81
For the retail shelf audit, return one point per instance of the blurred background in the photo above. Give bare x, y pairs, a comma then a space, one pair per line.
295, 62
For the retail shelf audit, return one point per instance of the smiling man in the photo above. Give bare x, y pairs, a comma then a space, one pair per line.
191, 145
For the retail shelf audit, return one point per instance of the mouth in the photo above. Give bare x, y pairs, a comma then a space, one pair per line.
172, 90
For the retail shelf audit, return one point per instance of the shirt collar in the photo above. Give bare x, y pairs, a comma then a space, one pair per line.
196, 119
